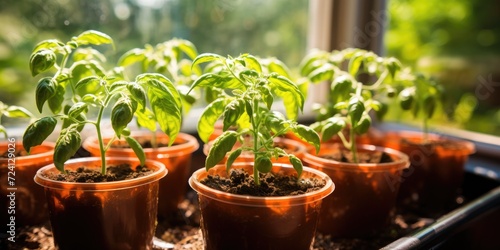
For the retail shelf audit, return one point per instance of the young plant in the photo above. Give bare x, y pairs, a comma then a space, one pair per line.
247, 93
172, 58
420, 95
350, 99
90, 87
12, 112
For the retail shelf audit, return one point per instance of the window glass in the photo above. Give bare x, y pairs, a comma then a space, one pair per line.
458, 43
228, 27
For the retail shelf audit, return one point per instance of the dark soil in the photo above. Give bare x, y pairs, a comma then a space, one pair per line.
114, 173
363, 157
240, 182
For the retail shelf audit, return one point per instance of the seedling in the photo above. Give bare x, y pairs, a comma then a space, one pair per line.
172, 58
350, 100
420, 95
89, 87
12, 112
246, 92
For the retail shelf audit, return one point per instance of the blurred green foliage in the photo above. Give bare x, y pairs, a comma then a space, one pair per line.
458, 43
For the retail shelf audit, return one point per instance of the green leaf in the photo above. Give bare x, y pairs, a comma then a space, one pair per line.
93, 37
137, 92
307, 134
363, 125
67, 145
223, 144
3, 131
279, 67
91, 99
77, 109
41, 61
263, 163
290, 93
341, 87
17, 112
429, 105
117, 85
38, 131
132, 56
355, 109
209, 117
48, 44
218, 81
138, 150
88, 54
206, 57
355, 63
81, 118
122, 114
55, 102
331, 127
252, 63
323, 73
44, 90
406, 97
86, 81
232, 157
145, 118
296, 163
188, 48
166, 107
232, 113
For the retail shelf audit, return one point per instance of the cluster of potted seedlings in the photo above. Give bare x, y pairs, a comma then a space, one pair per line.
268, 181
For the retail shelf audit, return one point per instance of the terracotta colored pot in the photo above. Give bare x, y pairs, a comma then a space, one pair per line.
240, 222
293, 147
29, 201
108, 215
365, 195
432, 182
177, 159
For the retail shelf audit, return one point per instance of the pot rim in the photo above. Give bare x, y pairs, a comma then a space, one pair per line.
402, 162
20, 160
187, 144
467, 148
159, 172
260, 201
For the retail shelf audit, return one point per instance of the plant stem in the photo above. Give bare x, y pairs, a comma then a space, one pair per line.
255, 130
99, 135
352, 138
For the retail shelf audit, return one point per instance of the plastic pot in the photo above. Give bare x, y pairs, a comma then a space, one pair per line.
432, 182
108, 215
232, 221
365, 195
29, 202
291, 146
176, 158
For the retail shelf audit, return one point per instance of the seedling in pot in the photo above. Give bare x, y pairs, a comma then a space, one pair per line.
90, 87
246, 92
12, 111
172, 58
350, 100
421, 95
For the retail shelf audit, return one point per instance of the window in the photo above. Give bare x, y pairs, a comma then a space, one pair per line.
228, 27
